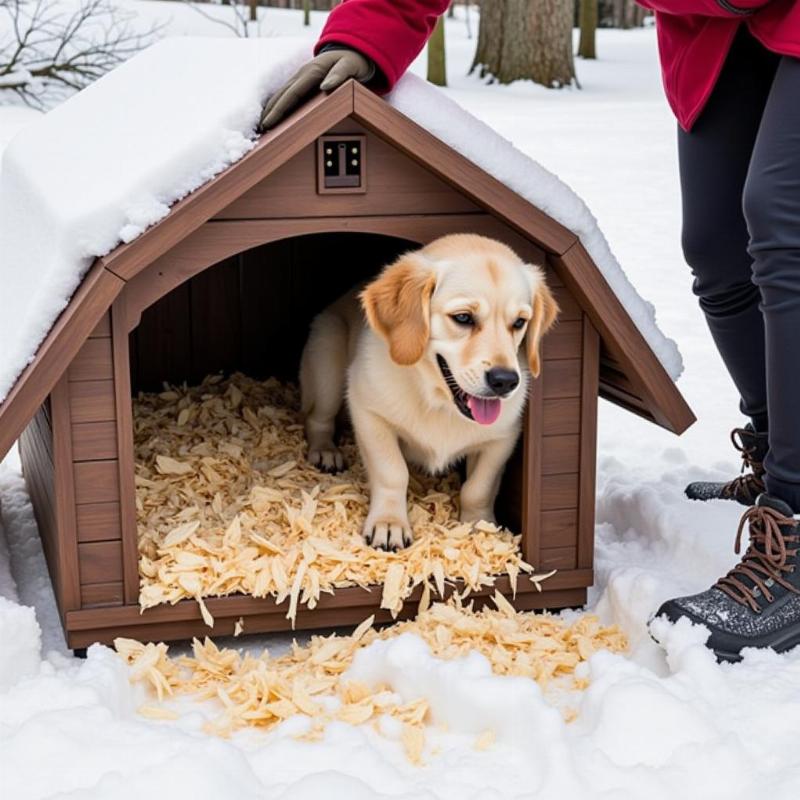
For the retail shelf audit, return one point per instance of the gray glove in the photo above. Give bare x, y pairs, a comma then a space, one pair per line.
327, 71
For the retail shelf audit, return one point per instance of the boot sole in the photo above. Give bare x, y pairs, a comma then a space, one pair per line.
788, 641
745, 503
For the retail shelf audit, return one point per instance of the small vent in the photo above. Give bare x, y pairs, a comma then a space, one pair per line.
341, 164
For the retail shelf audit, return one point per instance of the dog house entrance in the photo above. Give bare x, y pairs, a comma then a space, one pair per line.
226, 502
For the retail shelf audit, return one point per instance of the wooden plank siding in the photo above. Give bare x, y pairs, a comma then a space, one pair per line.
561, 409
95, 465
36, 456
396, 185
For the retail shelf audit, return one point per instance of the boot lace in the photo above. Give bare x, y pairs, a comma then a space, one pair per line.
749, 485
764, 562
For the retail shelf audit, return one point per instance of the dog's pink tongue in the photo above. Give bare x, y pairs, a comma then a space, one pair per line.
485, 410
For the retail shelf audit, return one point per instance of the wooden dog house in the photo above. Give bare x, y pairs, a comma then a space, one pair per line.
347, 182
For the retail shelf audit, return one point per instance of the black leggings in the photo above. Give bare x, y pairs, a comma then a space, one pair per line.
740, 181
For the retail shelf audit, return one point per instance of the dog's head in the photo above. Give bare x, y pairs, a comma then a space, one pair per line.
464, 305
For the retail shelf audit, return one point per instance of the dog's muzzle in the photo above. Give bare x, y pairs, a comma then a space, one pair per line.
483, 410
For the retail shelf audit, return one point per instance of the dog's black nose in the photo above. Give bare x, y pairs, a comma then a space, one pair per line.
502, 381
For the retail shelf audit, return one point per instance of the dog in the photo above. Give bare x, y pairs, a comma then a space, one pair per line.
434, 357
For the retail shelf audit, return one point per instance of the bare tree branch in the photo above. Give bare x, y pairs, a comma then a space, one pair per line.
56, 47
240, 26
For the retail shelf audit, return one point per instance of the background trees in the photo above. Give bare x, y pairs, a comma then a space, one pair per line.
49, 48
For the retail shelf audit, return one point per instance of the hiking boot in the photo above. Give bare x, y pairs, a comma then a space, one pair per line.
757, 604
749, 485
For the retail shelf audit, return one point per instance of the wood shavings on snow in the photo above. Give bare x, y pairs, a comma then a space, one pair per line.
262, 691
227, 503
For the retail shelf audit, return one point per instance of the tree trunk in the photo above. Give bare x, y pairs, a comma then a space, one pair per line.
253, 4
490, 38
537, 43
306, 12
588, 25
437, 66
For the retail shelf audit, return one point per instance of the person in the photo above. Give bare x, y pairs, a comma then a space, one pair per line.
731, 71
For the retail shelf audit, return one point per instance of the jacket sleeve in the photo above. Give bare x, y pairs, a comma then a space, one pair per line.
705, 8
390, 32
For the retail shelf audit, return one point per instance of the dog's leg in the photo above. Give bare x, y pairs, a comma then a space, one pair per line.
484, 471
323, 372
387, 526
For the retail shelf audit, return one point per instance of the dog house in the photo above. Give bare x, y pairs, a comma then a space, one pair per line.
230, 279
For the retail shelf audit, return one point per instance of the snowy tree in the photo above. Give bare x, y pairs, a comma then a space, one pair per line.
527, 40
587, 13
50, 49
437, 65
490, 38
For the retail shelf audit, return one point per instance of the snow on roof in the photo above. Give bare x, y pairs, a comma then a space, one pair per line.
108, 163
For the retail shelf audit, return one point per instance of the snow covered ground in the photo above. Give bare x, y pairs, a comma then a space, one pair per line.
648, 726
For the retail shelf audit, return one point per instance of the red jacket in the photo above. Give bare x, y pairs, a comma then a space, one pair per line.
693, 38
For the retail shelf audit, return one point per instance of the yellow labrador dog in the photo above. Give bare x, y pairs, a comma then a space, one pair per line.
431, 361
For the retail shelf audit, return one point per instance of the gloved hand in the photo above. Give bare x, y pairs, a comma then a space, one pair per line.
327, 71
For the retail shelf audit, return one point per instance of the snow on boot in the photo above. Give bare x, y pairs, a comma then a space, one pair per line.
753, 446
757, 604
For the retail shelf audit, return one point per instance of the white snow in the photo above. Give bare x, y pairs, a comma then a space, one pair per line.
110, 161
649, 726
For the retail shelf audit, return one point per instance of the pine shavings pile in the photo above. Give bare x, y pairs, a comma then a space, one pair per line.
261, 691
227, 503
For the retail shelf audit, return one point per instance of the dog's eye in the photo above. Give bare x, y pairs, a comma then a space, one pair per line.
463, 319
519, 323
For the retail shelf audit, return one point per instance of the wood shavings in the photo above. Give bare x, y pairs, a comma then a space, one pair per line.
262, 691
485, 740
227, 503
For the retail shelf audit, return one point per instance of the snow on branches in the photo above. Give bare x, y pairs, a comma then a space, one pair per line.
52, 48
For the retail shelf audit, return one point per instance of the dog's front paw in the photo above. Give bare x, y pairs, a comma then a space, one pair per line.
327, 459
388, 533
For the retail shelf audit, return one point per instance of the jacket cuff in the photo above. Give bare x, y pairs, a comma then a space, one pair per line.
384, 79
739, 9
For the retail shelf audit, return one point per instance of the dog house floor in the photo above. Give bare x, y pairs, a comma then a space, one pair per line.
227, 503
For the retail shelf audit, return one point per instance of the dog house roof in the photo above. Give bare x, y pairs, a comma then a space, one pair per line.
95, 190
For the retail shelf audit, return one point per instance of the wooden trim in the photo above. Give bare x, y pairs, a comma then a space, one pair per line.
220, 239
562, 415
623, 339
55, 354
561, 378
557, 558
559, 528
125, 461
93, 361
147, 630
560, 453
533, 428
92, 401
94, 441
438, 157
101, 594
235, 606
66, 523
559, 492
103, 328
271, 151
96, 481
588, 447
98, 522
101, 562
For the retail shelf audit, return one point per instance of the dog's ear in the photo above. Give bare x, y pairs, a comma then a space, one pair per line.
397, 305
545, 311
